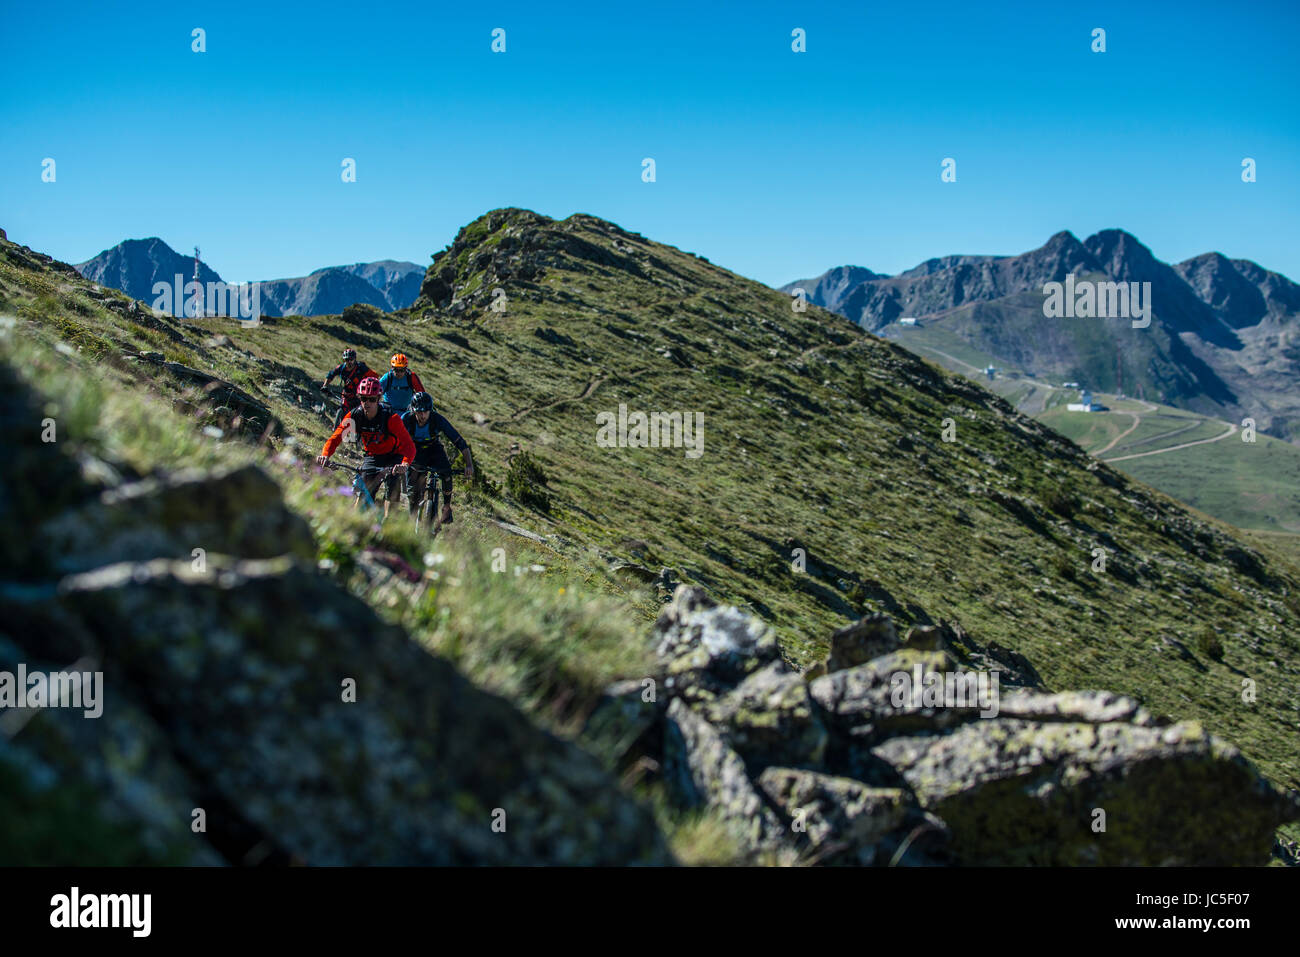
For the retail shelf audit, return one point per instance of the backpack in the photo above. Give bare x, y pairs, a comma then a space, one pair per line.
376, 433
408, 420
391, 388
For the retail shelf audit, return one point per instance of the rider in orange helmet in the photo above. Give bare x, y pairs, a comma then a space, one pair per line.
400, 383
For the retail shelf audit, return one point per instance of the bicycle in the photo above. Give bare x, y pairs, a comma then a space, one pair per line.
425, 508
359, 487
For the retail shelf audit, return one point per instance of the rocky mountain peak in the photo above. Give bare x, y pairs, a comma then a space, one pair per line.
1121, 254
510, 248
1219, 284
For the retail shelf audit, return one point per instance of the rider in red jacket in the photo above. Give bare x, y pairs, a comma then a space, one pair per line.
383, 436
352, 372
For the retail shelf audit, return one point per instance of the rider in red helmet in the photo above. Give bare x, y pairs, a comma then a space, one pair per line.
383, 436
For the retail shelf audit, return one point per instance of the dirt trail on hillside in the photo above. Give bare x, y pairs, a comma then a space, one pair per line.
1137, 420
1034, 404
1174, 448
1195, 424
586, 393
945, 355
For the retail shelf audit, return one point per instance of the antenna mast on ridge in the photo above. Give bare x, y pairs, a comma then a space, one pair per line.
198, 309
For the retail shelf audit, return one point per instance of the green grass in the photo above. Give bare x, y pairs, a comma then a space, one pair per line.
816, 437
1251, 485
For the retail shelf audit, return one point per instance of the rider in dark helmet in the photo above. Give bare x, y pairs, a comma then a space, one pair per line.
352, 372
424, 426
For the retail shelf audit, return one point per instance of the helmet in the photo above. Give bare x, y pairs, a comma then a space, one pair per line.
349, 354
399, 361
369, 386
421, 402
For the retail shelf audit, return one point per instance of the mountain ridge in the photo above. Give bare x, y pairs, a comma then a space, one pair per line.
134, 265
1223, 339
827, 490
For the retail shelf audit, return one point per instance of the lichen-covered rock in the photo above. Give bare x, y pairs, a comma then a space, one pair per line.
1073, 793
1014, 669
231, 512
860, 642
840, 820
1090, 707
862, 698
770, 719
626, 723
248, 670
36, 481
701, 771
927, 638
706, 649
126, 798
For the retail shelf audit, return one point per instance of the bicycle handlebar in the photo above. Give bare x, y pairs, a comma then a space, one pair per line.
425, 468
358, 469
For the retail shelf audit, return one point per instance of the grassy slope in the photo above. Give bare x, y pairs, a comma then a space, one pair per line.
817, 436
1249, 484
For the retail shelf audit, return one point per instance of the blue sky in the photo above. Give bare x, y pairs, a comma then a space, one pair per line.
774, 164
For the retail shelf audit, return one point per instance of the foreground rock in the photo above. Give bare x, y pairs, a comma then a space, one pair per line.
1112, 793
845, 821
849, 767
704, 772
251, 689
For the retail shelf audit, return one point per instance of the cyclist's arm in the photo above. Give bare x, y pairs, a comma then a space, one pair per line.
336, 438
405, 444
441, 424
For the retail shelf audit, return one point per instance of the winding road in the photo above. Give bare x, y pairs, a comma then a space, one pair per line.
1174, 448
1137, 420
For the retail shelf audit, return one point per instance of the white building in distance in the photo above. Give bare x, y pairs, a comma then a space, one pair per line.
1085, 404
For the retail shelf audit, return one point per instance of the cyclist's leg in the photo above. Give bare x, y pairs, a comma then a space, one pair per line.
409, 483
372, 481
431, 505
371, 466
446, 500
393, 491
415, 483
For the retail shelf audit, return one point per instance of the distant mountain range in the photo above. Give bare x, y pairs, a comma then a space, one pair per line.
135, 265
1224, 337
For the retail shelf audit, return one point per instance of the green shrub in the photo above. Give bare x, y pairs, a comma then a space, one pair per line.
857, 597
1208, 644
1060, 500
480, 484
1292, 602
525, 482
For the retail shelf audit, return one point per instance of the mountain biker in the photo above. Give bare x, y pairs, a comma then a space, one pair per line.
424, 425
352, 372
385, 439
400, 383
